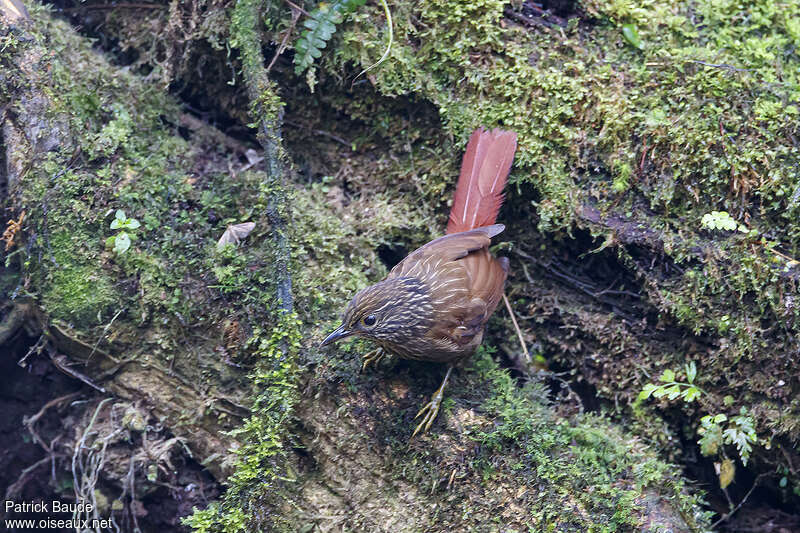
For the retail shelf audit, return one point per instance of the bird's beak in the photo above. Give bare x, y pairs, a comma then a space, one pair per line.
339, 333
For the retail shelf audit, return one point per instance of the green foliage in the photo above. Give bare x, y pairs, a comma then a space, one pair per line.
740, 430
258, 469
721, 220
672, 389
113, 134
320, 27
710, 431
120, 242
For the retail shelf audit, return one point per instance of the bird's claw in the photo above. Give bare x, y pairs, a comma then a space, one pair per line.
432, 408
372, 357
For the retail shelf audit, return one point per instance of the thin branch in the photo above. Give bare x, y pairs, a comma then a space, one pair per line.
23, 478
516, 327
295, 15
728, 515
52, 403
296, 7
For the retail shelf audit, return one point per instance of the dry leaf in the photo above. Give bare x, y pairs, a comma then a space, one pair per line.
726, 471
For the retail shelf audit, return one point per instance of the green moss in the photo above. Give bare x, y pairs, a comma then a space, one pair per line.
77, 293
581, 461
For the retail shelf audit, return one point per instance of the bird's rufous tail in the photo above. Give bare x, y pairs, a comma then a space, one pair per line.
484, 172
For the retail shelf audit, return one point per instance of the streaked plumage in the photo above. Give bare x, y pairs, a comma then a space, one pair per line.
434, 304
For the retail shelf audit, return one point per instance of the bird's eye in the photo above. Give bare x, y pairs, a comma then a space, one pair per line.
369, 320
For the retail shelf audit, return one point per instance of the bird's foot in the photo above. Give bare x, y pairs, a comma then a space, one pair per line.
430, 410
372, 357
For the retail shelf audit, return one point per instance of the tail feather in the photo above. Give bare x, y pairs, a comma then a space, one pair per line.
484, 172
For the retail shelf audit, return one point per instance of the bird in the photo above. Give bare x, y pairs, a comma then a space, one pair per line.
434, 304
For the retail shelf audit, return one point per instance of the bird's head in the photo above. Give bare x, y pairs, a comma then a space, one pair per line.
389, 312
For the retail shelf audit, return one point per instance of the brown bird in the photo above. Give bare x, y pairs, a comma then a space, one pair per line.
434, 304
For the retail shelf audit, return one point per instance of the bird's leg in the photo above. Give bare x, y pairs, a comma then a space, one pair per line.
431, 409
372, 357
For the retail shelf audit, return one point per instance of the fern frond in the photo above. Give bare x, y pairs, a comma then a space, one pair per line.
320, 27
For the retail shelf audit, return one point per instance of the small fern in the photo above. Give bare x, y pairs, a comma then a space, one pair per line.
320, 27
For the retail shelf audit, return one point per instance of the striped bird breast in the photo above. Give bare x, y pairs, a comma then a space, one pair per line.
429, 318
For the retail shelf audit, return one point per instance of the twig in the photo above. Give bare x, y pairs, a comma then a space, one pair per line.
36, 348
298, 8
388, 46
52, 403
516, 327
732, 511
295, 15
323, 133
61, 362
100, 338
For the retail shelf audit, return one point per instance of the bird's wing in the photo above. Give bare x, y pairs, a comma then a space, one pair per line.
447, 248
464, 280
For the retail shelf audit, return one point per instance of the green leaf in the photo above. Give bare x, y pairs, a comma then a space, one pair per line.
720, 220
668, 376
673, 392
122, 242
691, 371
728, 400
320, 27
631, 35
131, 223
711, 440
646, 392
120, 215
691, 394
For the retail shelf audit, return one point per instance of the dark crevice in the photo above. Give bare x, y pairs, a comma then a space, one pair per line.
391, 254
